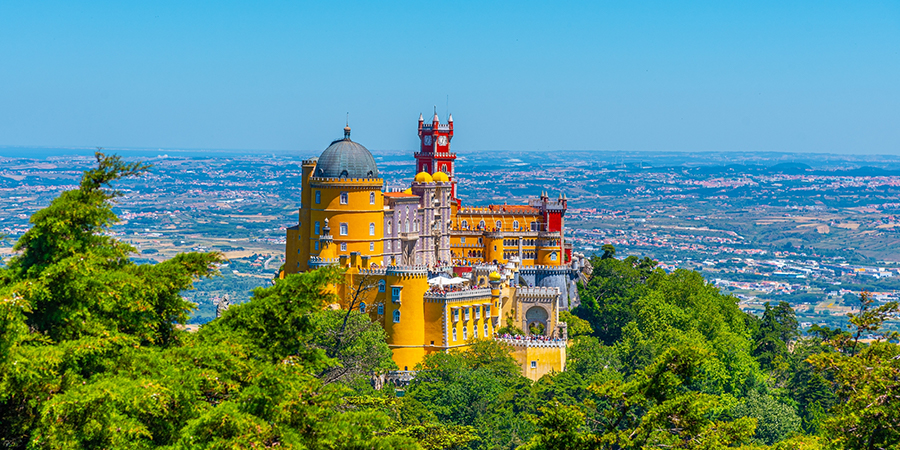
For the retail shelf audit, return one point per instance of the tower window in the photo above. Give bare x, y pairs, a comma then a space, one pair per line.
464, 224
362, 307
396, 316
485, 330
454, 334
515, 224
390, 227
317, 245
380, 285
475, 331
534, 364
465, 332
466, 314
371, 198
443, 168
553, 256
343, 246
344, 229
318, 197
499, 225
344, 198
381, 309
318, 228
481, 225
371, 246
372, 229
395, 293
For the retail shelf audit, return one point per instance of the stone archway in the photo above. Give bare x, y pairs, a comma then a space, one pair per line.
537, 321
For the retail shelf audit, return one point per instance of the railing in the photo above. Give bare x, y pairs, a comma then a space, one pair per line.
454, 295
526, 341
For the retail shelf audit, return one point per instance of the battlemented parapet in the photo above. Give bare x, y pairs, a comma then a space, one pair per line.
537, 357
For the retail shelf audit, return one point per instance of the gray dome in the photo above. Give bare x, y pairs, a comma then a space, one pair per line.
346, 159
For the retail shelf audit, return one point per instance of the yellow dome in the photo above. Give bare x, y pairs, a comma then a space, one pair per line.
441, 177
494, 276
423, 177
408, 191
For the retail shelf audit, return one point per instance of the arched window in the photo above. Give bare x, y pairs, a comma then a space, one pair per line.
318, 227
454, 334
406, 226
481, 224
444, 168
390, 227
464, 224
425, 168
381, 309
416, 225
553, 256
515, 224
396, 316
381, 285
343, 229
362, 307
371, 198
499, 225
372, 229
344, 198
485, 330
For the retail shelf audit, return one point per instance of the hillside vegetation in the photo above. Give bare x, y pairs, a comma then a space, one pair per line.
92, 355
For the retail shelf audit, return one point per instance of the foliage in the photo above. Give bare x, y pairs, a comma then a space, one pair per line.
866, 380
775, 421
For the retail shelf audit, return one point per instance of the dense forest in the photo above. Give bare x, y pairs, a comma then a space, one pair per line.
92, 355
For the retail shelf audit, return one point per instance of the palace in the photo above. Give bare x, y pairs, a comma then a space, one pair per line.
435, 273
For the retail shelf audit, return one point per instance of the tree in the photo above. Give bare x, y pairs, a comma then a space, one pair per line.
866, 380
775, 421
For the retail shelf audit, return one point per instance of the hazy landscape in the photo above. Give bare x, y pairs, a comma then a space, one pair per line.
811, 229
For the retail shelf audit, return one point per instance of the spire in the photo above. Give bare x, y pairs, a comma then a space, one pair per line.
421, 119
450, 120
347, 128
436, 120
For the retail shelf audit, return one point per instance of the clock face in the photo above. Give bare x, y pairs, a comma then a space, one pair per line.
442, 140
427, 140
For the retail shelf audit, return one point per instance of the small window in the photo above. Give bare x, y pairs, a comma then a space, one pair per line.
381, 309
344, 198
371, 198
371, 246
464, 225
396, 316
343, 246
372, 229
466, 314
487, 310
486, 330
443, 168
390, 228
534, 364
455, 315
381, 285
465, 333
515, 224
477, 312
316, 245
318, 197
481, 224
362, 307
475, 331
343, 229
553, 256
454, 334
499, 224
395, 294
318, 228
462, 240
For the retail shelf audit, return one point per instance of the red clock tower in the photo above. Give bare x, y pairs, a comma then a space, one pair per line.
434, 154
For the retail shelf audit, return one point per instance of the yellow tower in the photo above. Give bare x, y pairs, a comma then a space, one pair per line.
341, 187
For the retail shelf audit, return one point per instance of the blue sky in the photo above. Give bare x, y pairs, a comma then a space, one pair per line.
796, 76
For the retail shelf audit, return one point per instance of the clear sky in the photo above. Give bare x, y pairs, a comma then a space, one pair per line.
796, 76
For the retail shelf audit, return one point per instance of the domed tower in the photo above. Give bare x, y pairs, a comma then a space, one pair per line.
343, 189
